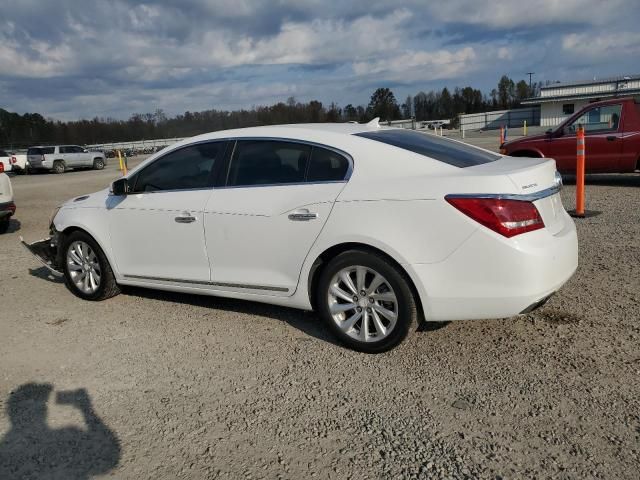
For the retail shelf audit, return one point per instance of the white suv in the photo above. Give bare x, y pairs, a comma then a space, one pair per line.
60, 158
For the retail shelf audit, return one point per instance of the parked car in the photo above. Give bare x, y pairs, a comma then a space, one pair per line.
372, 227
7, 206
612, 139
59, 158
5, 161
19, 163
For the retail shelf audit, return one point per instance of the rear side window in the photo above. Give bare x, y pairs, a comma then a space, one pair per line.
263, 162
327, 166
447, 151
186, 168
40, 150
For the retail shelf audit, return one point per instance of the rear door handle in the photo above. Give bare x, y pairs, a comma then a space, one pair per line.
186, 217
611, 138
302, 215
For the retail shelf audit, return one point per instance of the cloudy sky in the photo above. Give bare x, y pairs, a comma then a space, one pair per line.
78, 59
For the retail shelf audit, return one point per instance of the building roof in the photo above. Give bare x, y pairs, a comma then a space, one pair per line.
595, 81
587, 90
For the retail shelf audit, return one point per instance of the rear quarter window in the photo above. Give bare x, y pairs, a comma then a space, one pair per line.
441, 149
40, 150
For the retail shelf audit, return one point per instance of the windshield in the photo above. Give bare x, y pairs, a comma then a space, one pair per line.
453, 153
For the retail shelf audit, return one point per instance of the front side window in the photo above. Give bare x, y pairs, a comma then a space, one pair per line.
186, 168
266, 162
598, 119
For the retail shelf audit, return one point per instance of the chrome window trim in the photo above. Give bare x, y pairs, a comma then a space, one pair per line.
523, 197
209, 284
346, 178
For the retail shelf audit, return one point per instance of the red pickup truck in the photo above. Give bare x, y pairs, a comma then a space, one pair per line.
612, 139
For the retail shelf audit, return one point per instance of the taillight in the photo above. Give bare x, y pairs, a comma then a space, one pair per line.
42, 158
13, 160
1, 167
505, 216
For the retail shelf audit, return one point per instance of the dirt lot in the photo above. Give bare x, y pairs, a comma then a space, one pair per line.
158, 385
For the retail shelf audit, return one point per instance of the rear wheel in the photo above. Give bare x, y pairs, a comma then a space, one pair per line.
366, 301
98, 164
87, 272
58, 166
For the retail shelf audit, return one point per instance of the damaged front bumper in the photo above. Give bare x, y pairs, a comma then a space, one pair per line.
46, 251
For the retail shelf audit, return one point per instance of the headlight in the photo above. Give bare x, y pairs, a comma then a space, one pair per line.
53, 215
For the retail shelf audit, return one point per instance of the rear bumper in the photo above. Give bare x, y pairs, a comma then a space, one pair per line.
7, 209
46, 251
494, 277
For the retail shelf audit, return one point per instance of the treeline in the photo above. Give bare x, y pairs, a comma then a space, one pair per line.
17, 131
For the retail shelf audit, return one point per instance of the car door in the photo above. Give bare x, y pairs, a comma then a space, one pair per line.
260, 226
603, 141
157, 229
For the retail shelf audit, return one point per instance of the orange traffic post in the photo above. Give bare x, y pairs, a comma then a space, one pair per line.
123, 166
580, 173
501, 136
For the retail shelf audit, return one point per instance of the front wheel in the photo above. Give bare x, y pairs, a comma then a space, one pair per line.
366, 301
87, 272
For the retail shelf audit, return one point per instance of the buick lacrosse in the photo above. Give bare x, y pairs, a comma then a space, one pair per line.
374, 228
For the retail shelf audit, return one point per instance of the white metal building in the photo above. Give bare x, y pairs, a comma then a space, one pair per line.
560, 100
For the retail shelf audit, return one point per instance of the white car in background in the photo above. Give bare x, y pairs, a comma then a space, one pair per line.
372, 227
19, 163
5, 161
7, 206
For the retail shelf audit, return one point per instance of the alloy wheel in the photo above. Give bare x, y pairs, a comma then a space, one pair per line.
83, 267
362, 303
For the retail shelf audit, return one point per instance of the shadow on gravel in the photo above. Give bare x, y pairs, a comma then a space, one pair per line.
14, 225
609, 180
557, 317
44, 274
33, 450
307, 322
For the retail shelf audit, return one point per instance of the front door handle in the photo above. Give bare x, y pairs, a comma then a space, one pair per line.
611, 138
302, 215
186, 217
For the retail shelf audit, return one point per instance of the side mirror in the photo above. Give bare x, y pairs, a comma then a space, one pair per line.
549, 132
120, 187
85, 150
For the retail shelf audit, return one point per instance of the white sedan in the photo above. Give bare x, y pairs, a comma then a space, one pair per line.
375, 228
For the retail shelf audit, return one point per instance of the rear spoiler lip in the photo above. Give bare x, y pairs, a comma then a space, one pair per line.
523, 197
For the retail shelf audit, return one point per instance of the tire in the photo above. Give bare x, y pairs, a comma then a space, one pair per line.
4, 225
98, 163
337, 312
98, 271
59, 166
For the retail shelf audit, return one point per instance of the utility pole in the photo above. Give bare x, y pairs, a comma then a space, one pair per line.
530, 75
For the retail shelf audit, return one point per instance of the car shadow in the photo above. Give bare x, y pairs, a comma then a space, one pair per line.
31, 449
43, 273
14, 225
611, 180
307, 322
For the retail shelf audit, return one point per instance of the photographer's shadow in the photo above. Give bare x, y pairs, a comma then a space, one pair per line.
33, 450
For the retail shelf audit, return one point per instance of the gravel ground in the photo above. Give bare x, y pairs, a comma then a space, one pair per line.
157, 385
